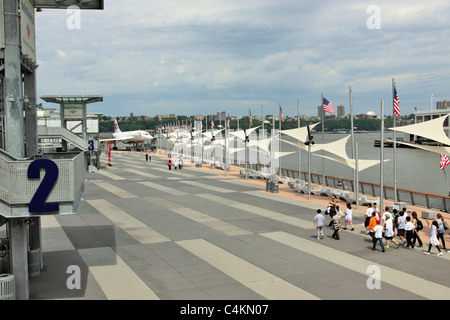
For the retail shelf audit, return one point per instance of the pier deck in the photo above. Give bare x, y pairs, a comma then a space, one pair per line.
144, 232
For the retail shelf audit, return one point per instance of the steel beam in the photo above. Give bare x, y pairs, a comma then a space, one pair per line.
64, 4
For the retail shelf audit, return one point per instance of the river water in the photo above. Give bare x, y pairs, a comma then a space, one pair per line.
416, 169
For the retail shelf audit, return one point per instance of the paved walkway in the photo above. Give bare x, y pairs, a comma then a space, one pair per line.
144, 232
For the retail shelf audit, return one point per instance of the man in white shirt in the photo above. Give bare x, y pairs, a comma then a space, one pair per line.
318, 223
386, 214
409, 228
378, 236
401, 223
368, 215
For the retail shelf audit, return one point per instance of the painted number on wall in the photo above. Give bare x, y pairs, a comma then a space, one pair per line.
37, 203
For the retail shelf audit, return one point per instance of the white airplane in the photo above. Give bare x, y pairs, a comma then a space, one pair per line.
136, 136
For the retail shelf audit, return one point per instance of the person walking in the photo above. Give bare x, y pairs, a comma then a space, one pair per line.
441, 230
418, 225
169, 164
395, 220
376, 210
146, 156
386, 213
368, 215
336, 226
409, 229
348, 216
378, 235
389, 231
318, 223
401, 223
371, 226
433, 237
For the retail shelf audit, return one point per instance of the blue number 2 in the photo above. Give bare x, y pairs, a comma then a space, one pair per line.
37, 203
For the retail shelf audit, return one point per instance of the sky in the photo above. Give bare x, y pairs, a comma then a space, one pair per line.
150, 57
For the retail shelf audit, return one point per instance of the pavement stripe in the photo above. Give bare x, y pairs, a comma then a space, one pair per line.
160, 187
138, 230
206, 186
259, 211
144, 174
402, 280
110, 175
53, 236
253, 277
115, 278
216, 224
116, 190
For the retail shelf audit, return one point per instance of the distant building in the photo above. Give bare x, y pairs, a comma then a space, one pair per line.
426, 115
198, 117
443, 104
368, 115
340, 111
165, 116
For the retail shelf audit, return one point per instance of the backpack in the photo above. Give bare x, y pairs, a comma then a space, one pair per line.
419, 225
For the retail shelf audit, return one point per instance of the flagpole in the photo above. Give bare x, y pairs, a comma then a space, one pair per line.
323, 133
299, 157
279, 137
395, 141
382, 156
351, 130
445, 177
356, 176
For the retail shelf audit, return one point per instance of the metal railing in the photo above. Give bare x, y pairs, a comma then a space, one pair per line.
416, 198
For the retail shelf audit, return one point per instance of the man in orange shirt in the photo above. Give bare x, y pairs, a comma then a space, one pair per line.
372, 224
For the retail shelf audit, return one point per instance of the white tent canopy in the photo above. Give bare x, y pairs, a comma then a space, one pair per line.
432, 129
299, 133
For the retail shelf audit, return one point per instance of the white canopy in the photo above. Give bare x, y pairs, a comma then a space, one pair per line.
432, 129
299, 133
240, 134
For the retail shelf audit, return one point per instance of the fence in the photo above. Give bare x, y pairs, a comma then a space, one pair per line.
416, 198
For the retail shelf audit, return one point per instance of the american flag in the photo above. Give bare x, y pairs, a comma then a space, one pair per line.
251, 121
212, 124
444, 161
328, 106
396, 102
228, 122
281, 114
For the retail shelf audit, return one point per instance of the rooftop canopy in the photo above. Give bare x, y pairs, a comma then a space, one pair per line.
84, 99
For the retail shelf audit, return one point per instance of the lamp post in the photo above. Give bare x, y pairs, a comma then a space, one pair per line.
309, 142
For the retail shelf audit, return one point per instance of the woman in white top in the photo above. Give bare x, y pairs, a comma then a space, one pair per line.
348, 216
433, 237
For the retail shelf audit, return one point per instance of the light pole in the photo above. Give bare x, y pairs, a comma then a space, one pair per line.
309, 142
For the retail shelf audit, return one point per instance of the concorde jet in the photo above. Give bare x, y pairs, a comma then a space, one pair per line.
136, 136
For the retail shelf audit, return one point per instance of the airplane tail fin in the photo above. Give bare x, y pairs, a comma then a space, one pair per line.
116, 126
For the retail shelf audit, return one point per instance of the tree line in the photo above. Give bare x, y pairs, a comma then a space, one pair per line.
106, 123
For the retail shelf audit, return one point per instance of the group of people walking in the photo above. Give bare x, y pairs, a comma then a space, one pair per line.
177, 164
384, 227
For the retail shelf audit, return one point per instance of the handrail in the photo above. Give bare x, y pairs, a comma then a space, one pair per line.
417, 198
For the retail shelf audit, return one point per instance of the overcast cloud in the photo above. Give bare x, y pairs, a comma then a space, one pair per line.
205, 56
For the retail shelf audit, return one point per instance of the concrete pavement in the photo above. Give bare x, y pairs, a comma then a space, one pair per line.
144, 232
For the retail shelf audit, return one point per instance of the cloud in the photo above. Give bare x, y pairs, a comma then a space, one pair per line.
192, 57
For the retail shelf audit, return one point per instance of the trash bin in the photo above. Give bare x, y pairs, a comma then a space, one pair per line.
7, 287
268, 187
34, 263
275, 187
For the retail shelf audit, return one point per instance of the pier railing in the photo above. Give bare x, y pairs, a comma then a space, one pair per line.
416, 198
